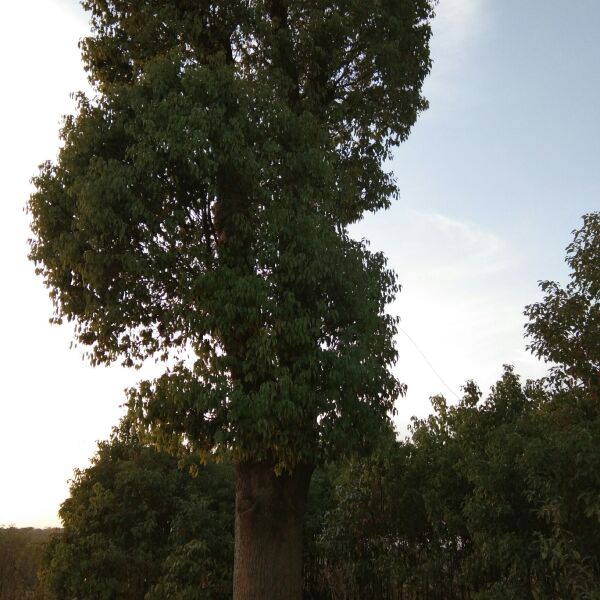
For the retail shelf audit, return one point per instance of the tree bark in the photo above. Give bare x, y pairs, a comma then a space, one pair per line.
269, 512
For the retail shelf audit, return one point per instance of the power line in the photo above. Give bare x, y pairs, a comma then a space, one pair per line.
428, 363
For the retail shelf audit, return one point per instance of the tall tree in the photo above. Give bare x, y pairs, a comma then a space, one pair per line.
201, 202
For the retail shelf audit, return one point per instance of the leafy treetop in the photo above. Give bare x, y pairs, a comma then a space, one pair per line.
201, 198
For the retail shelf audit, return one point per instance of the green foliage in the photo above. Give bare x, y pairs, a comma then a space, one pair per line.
563, 485
495, 499
200, 202
136, 526
21, 554
321, 500
362, 551
565, 326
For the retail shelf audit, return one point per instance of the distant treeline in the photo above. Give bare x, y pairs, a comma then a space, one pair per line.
21, 554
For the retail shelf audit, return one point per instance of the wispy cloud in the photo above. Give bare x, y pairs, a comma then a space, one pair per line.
464, 249
456, 249
460, 303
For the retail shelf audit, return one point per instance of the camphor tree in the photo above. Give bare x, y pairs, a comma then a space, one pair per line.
200, 202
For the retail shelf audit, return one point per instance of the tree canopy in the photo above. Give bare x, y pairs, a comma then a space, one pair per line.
200, 203
21, 555
487, 500
136, 526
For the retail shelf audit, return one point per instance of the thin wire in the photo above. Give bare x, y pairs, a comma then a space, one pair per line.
428, 363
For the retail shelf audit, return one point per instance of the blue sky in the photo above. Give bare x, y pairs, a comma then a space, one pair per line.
493, 179
511, 140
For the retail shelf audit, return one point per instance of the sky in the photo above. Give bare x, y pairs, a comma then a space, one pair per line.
494, 177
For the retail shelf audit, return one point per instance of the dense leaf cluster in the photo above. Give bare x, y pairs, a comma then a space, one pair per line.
135, 526
488, 500
565, 326
200, 204
21, 555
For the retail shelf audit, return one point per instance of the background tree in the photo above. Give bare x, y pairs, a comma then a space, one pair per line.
370, 542
200, 203
136, 526
21, 554
487, 500
139, 526
564, 327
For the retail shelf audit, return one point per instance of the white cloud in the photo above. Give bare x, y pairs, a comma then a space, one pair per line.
459, 249
430, 245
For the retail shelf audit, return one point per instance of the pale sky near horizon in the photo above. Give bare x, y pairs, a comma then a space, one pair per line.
493, 179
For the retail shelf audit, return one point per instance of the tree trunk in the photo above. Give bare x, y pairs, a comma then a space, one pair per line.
269, 511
